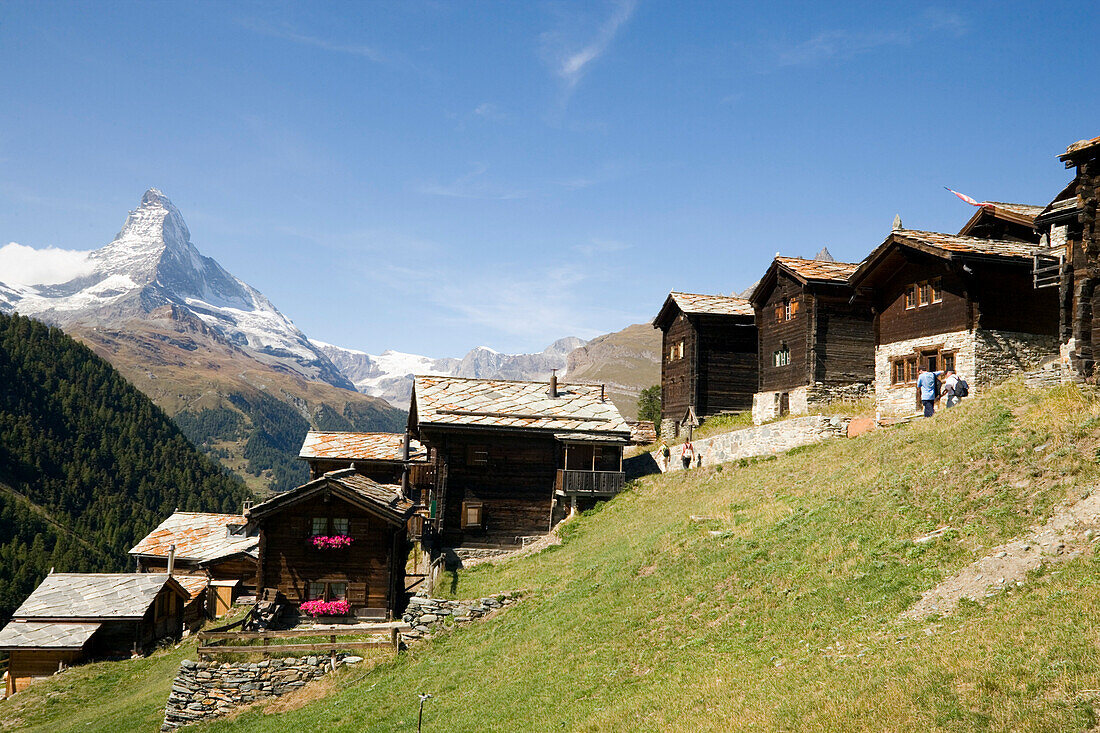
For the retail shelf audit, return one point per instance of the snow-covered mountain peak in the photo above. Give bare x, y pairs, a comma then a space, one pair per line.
152, 263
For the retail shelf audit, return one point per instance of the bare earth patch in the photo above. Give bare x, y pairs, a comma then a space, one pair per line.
1068, 534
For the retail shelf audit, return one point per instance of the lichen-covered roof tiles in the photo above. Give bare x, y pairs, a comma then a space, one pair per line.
360, 446
46, 635
723, 305
818, 269
198, 536
501, 404
955, 243
1026, 210
93, 596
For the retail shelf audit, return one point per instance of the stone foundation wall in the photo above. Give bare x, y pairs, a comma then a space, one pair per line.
763, 440
1002, 354
426, 615
899, 400
765, 405
983, 358
205, 690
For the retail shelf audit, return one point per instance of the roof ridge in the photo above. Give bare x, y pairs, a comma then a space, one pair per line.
506, 381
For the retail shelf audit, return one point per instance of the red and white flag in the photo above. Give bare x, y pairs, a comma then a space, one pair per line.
966, 198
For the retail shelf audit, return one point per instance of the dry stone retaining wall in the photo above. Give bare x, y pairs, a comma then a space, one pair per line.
763, 440
204, 690
426, 615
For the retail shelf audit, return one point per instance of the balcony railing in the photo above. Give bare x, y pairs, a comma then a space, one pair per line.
591, 483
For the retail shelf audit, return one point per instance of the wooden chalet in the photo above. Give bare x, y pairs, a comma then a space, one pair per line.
387, 458
511, 458
1070, 264
74, 617
368, 573
709, 357
207, 553
816, 341
945, 301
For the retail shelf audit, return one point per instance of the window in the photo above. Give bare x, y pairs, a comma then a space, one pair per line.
925, 293
680, 350
792, 308
316, 591
672, 353
949, 361
780, 312
787, 310
937, 289
322, 591
911, 296
477, 455
782, 357
339, 526
337, 591
472, 514
320, 526
324, 527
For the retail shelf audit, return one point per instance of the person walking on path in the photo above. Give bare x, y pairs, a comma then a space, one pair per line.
954, 388
665, 455
926, 383
687, 453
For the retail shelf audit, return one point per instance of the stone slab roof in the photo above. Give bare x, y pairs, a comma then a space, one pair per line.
819, 270
955, 243
93, 596
1027, 210
722, 305
193, 584
46, 635
198, 537
497, 403
384, 500
1080, 146
360, 446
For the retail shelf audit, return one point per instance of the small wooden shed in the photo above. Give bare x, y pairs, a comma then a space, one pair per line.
366, 569
72, 617
709, 356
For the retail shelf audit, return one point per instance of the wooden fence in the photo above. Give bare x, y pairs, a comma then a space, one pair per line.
218, 642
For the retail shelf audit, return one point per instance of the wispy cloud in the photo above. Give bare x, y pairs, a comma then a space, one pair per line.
571, 63
472, 185
287, 33
490, 111
595, 247
842, 44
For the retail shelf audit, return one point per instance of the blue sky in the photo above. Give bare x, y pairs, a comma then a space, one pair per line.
430, 176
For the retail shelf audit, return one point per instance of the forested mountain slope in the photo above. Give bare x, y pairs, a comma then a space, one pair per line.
88, 464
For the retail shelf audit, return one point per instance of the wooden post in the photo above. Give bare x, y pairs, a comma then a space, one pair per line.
395, 639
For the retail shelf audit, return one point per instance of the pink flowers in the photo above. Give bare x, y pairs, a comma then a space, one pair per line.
325, 608
322, 542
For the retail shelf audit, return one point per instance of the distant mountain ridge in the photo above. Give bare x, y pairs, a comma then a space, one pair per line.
389, 375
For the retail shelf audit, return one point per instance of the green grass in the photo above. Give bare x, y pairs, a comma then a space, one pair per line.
779, 609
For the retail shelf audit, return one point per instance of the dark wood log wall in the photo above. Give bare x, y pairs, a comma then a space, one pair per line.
290, 561
26, 664
727, 364
794, 333
844, 339
1007, 301
896, 323
515, 486
677, 383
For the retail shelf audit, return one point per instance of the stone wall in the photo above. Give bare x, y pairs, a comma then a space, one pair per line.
899, 400
205, 690
426, 615
1002, 354
763, 440
983, 358
765, 405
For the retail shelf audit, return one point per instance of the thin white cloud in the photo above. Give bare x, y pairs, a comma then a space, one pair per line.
286, 33
571, 65
596, 246
22, 265
472, 185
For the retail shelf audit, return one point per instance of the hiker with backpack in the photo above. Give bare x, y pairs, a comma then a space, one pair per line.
955, 388
665, 454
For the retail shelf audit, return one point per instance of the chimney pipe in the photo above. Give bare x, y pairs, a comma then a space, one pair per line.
553, 383
171, 559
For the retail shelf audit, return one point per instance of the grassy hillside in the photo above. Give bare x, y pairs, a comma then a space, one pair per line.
88, 464
777, 607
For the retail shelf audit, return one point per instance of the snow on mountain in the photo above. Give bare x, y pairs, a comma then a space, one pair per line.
390, 374
152, 263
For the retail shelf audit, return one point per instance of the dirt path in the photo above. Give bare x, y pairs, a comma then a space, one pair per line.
1069, 533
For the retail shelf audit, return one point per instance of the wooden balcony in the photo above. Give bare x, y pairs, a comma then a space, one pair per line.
590, 483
